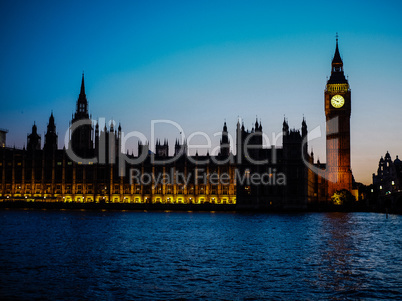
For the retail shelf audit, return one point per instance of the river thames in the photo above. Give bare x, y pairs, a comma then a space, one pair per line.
113, 255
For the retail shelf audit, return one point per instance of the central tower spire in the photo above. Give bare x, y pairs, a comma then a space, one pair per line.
82, 103
82, 137
82, 85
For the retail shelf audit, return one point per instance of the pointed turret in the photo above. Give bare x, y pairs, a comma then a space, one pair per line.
82, 92
51, 120
33, 139
285, 127
51, 136
224, 143
304, 127
82, 103
162, 150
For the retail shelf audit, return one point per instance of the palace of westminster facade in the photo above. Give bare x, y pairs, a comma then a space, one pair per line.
93, 168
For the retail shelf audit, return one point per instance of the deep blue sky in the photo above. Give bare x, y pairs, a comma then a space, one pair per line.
199, 63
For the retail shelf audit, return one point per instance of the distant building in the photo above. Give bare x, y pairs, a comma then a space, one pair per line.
33, 139
3, 136
389, 176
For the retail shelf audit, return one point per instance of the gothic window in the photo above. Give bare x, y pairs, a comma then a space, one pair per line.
158, 189
147, 189
225, 189
169, 189
180, 189
214, 189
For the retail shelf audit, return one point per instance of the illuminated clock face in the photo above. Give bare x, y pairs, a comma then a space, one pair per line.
337, 101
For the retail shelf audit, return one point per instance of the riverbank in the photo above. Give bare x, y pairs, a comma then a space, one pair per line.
188, 207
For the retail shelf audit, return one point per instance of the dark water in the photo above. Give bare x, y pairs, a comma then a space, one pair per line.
155, 255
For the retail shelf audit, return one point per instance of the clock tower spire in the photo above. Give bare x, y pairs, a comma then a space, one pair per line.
337, 112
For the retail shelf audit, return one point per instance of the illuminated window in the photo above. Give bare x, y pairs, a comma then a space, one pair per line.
191, 189
202, 189
247, 189
169, 189
225, 189
180, 189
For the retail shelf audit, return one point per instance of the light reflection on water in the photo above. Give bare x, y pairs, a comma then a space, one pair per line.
127, 255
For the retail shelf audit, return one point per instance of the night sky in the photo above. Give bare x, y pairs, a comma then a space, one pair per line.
199, 63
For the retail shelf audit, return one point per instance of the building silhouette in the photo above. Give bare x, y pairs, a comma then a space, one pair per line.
337, 112
388, 179
93, 168
336, 174
3, 137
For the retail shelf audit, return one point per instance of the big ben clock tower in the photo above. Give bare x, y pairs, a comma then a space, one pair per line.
337, 112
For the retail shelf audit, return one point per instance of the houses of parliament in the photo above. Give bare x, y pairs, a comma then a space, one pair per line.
93, 168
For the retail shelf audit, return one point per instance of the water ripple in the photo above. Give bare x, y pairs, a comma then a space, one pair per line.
181, 256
